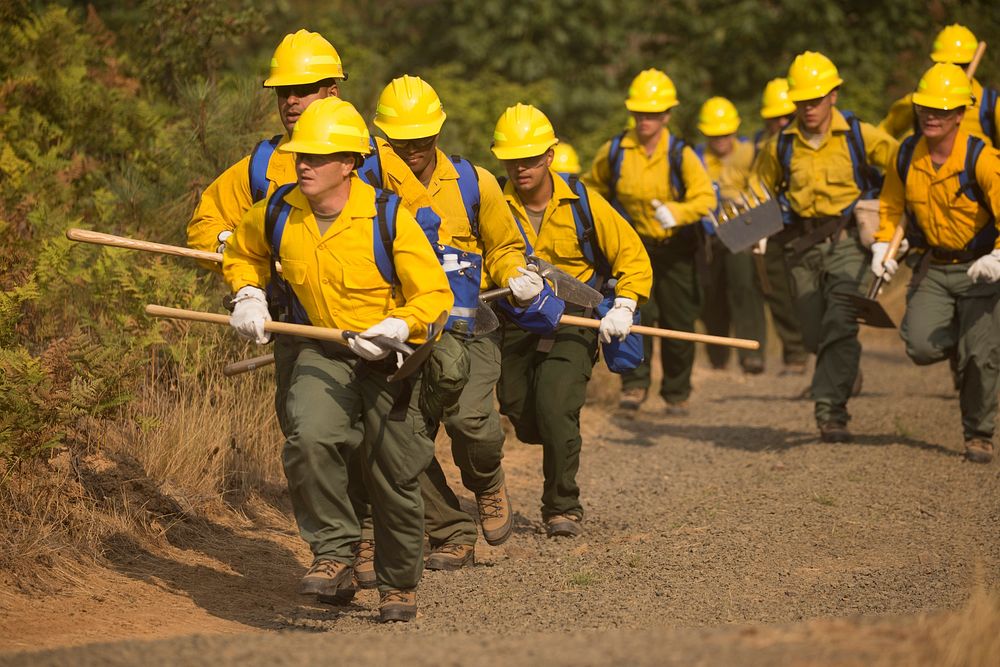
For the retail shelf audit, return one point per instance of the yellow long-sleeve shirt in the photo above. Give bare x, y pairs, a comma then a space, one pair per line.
334, 275
647, 177
499, 242
732, 172
228, 198
821, 178
948, 219
899, 120
557, 241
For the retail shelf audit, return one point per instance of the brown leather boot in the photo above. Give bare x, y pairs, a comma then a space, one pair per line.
834, 431
978, 450
364, 564
325, 577
562, 525
495, 515
632, 398
451, 557
397, 604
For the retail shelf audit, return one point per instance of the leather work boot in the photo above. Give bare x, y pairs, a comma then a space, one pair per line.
752, 366
344, 595
364, 564
325, 577
451, 557
495, 516
834, 431
632, 398
562, 525
978, 450
793, 368
679, 409
397, 604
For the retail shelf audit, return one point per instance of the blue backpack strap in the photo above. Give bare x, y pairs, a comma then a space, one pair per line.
370, 170
285, 306
586, 232
384, 234
987, 114
904, 156
675, 157
699, 150
867, 178
468, 186
616, 155
985, 239
260, 158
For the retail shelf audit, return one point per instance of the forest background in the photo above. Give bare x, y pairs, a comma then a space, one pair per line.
114, 115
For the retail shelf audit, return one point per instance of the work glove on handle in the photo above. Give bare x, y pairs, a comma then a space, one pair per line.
250, 313
618, 321
525, 287
662, 214
390, 327
882, 266
222, 238
986, 269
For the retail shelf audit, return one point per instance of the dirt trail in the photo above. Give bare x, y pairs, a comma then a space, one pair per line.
735, 514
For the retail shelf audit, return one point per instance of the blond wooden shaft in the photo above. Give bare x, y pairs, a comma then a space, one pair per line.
970, 71
100, 238
896, 240
741, 343
247, 365
306, 331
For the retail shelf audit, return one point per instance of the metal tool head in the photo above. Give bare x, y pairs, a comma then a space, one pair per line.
742, 231
486, 320
866, 310
411, 364
565, 286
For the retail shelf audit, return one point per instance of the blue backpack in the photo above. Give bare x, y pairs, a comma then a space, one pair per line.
285, 305
260, 157
620, 356
986, 238
675, 156
867, 178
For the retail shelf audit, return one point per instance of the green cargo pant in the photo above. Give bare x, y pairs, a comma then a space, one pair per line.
733, 304
829, 327
947, 314
476, 446
674, 303
337, 409
779, 300
542, 393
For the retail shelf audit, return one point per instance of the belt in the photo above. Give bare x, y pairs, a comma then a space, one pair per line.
940, 256
804, 233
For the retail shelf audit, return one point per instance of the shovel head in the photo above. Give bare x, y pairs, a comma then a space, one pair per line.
412, 363
486, 320
751, 226
565, 286
866, 310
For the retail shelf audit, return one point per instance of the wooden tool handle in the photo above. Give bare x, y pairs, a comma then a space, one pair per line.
247, 365
306, 331
894, 243
99, 238
970, 71
741, 343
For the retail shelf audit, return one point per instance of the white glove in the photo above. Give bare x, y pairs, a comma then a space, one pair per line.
663, 214
222, 238
526, 286
250, 313
618, 321
390, 327
986, 269
880, 263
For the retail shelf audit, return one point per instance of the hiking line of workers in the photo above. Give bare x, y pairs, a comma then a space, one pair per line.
387, 237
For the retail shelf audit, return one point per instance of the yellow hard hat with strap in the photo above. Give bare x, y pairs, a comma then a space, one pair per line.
329, 125
718, 117
954, 44
944, 86
651, 91
304, 57
408, 108
522, 131
811, 76
774, 103
565, 159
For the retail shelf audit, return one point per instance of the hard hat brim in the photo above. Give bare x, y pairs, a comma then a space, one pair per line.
719, 129
813, 93
321, 148
941, 103
300, 79
404, 132
646, 107
521, 152
776, 111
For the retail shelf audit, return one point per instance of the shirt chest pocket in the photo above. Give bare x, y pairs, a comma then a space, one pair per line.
566, 249
295, 271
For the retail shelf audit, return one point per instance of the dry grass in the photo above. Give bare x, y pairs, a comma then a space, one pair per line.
969, 637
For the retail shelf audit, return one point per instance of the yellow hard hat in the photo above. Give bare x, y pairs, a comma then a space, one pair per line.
566, 160
329, 125
408, 108
954, 44
775, 103
944, 86
718, 117
522, 131
651, 91
304, 57
812, 75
